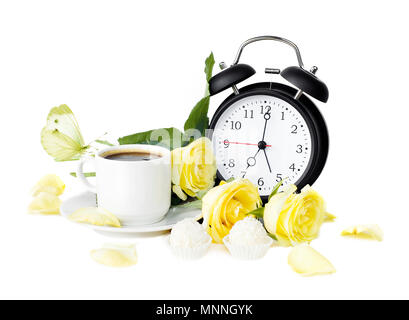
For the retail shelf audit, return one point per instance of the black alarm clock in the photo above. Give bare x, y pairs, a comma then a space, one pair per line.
269, 132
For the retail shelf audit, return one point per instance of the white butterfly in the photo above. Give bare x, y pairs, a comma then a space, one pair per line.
61, 137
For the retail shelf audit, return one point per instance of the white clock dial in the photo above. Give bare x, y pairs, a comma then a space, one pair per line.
264, 139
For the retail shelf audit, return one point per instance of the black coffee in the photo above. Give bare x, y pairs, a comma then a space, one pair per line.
131, 156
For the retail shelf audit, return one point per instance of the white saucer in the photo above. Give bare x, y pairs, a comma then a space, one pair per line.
89, 199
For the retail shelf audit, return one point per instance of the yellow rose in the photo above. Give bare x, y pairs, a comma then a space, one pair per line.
226, 204
295, 218
193, 168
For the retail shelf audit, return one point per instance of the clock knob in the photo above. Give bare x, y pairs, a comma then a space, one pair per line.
307, 82
230, 77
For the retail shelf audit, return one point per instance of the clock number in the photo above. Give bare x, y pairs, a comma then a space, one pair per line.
265, 109
249, 114
235, 125
282, 115
294, 128
231, 163
260, 182
243, 174
299, 148
292, 167
279, 178
226, 143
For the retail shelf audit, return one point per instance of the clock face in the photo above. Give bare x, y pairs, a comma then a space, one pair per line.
264, 139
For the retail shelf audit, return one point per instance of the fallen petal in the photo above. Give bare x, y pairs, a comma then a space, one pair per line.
364, 231
50, 183
114, 255
308, 262
45, 203
95, 216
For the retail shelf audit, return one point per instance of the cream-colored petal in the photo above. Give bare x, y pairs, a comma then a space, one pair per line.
365, 231
176, 157
45, 203
114, 255
95, 216
308, 262
179, 192
274, 206
50, 183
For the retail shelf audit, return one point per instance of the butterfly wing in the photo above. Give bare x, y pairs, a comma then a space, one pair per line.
60, 146
62, 119
61, 137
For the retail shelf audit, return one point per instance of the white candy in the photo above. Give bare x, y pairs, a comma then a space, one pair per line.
247, 232
189, 239
248, 240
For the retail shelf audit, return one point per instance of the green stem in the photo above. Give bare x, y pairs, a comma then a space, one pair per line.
86, 174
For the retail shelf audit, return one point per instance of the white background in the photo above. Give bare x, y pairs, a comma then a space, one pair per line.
127, 66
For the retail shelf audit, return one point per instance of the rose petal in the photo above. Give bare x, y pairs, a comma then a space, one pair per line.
95, 216
45, 203
179, 192
366, 231
308, 262
114, 255
50, 183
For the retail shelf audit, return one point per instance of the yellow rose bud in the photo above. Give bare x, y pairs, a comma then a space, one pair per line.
193, 168
226, 204
295, 218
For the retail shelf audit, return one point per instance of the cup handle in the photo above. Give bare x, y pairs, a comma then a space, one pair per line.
81, 176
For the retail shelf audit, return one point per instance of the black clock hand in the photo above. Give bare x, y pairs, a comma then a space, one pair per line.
252, 160
267, 117
262, 143
268, 163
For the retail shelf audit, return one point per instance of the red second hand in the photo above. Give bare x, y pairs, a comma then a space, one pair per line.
244, 143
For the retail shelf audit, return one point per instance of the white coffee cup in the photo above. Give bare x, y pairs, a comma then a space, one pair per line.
137, 192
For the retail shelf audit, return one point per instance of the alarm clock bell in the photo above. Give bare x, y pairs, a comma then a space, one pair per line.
303, 80
230, 77
306, 81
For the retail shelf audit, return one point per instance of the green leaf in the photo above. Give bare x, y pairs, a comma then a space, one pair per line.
275, 190
86, 174
272, 236
196, 204
104, 142
259, 212
170, 138
209, 63
198, 118
201, 194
